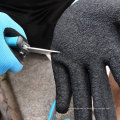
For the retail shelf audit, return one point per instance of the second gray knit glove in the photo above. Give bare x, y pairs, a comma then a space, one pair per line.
87, 37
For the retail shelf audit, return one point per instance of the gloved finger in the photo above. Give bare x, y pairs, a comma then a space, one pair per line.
10, 64
8, 60
10, 23
3, 67
102, 96
81, 93
114, 64
63, 89
16, 67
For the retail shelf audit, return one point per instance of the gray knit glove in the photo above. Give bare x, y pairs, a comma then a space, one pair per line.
87, 37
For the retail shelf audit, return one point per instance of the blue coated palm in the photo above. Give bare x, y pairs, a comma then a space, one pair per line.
8, 61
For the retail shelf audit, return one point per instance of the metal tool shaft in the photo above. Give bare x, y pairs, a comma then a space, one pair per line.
41, 51
20, 43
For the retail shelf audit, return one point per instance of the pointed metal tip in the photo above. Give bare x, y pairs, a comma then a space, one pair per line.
41, 51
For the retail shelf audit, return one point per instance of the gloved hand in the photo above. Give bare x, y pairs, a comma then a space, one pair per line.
88, 38
8, 61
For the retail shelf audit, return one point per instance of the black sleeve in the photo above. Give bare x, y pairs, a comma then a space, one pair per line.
37, 17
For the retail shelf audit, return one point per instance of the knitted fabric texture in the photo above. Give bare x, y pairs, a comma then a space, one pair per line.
88, 38
8, 61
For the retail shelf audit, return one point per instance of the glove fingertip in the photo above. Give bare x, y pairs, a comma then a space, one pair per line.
16, 67
2, 72
62, 107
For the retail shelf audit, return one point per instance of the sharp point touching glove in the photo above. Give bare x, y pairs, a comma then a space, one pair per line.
8, 61
88, 38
